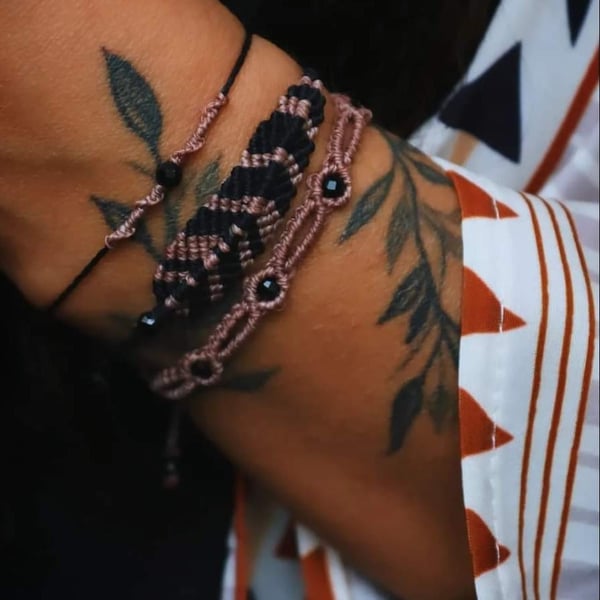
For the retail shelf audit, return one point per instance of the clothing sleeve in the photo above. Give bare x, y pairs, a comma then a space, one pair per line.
528, 413
528, 393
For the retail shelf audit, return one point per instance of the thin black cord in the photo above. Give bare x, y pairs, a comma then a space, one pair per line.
184, 276
78, 279
87, 269
238, 64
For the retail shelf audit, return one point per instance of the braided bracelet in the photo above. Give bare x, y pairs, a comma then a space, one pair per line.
168, 175
231, 229
266, 290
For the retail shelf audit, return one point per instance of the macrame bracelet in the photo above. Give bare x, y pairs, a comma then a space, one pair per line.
231, 229
266, 290
168, 175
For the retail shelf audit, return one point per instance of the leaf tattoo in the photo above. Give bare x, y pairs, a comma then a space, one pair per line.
406, 296
114, 213
140, 111
252, 381
441, 408
450, 241
367, 207
430, 330
419, 319
141, 169
430, 174
207, 182
172, 212
451, 338
135, 100
406, 406
399, 231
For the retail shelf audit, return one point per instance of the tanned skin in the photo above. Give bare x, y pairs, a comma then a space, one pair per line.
344, 404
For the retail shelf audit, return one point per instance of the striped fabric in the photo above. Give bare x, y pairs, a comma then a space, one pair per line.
519, 138
525, 375
577, 178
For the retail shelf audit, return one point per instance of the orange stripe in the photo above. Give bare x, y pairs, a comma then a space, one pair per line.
587, 376
535, 390
241, 548
574, 114
558, 401
316, 578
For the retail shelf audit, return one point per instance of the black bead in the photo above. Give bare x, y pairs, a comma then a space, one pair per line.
168, 174
333, 186
202, 369
268, 289
147, 322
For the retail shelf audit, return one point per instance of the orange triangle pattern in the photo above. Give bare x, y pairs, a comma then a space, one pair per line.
482, 312
316, 579
478, 433
476, 202
287, 549
487, 553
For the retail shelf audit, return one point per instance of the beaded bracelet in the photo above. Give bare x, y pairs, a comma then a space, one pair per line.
266, 290
168, 175
236, 222
227, 233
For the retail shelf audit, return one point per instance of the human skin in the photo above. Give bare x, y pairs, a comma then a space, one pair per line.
319, 432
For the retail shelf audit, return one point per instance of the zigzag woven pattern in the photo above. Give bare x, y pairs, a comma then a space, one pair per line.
231, 229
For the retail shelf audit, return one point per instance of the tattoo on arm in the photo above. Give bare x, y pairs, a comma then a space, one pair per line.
135, 100
139, 110
115, 212
432, 334
249, 381
244, 381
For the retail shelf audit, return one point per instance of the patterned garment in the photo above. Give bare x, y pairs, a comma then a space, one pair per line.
525, 118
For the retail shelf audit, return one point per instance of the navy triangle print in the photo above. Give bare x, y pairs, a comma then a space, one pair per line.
489, 107
577, 10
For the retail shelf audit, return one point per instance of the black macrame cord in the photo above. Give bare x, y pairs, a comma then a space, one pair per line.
231, 229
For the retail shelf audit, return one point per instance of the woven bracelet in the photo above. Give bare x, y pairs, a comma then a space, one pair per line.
267, 289
226, 234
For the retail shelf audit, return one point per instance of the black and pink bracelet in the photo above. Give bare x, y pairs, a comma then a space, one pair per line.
227, 234
266, 290
232, 229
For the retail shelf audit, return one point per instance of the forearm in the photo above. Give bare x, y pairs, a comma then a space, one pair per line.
332, 427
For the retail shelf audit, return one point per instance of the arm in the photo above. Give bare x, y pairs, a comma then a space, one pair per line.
359, 394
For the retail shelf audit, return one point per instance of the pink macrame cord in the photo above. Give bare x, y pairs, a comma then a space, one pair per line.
157, 194
295, 241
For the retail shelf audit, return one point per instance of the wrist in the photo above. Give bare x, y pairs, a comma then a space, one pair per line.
58, 224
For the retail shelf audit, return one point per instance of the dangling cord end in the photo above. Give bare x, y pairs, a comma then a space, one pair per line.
171, 478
